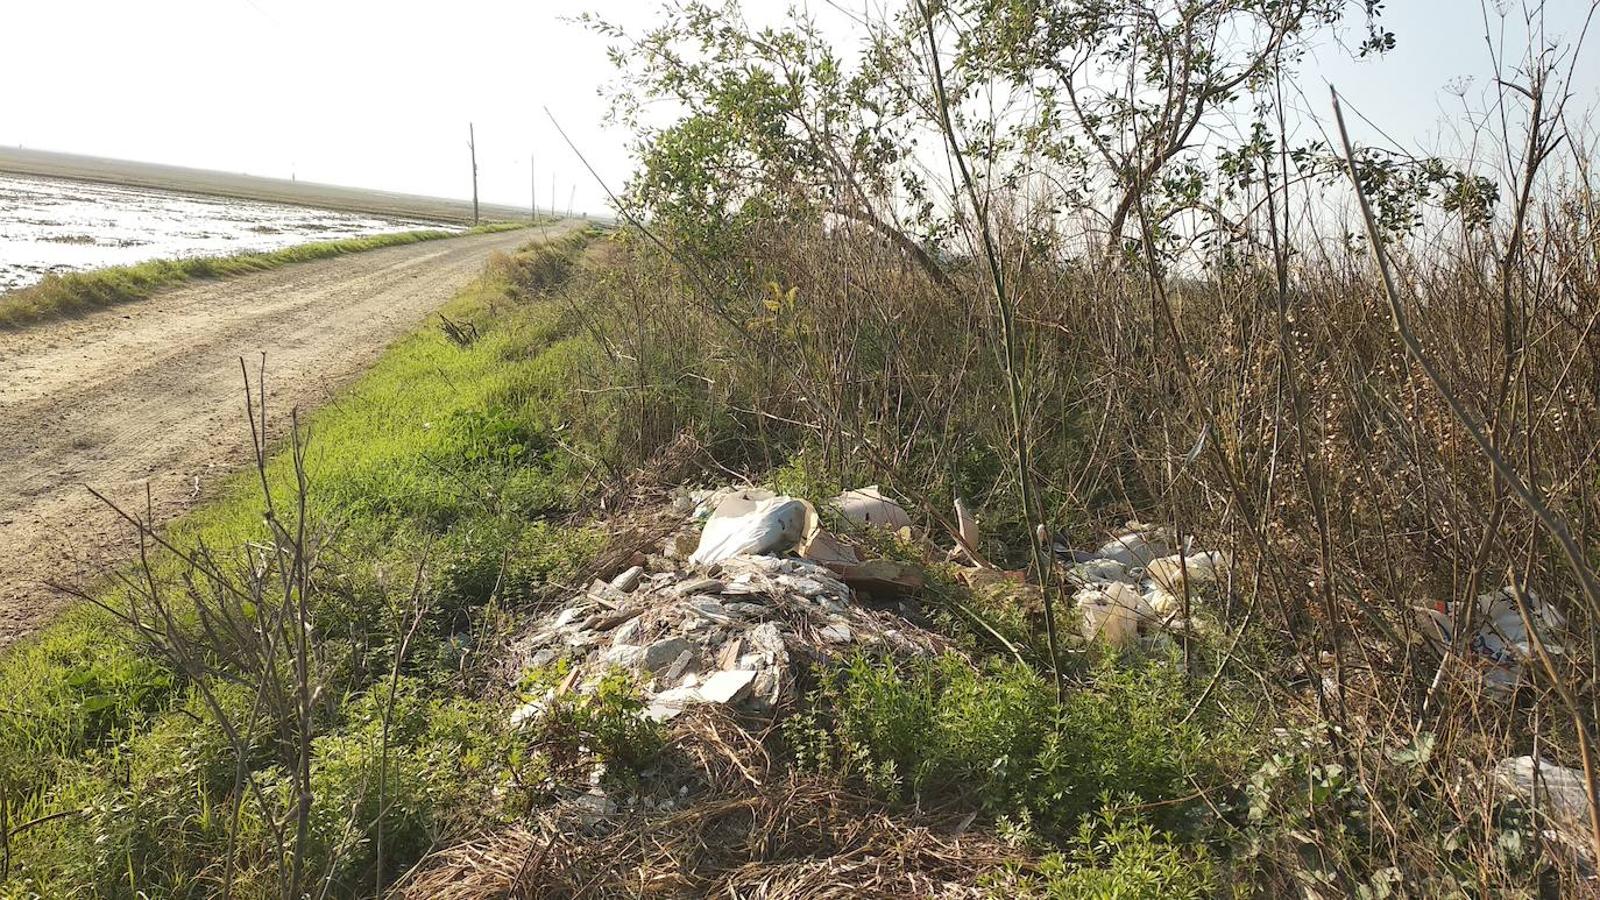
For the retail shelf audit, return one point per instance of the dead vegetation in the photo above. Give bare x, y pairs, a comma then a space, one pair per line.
751, 828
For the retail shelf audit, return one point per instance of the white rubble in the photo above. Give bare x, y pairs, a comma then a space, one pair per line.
731, 638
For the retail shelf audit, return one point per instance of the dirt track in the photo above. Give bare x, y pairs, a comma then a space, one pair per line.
151, 392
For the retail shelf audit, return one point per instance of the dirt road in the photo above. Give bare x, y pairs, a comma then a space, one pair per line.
150, 392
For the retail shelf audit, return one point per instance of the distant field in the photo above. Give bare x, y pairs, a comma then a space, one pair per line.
247, 187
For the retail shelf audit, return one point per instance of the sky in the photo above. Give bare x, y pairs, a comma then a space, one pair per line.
379, 94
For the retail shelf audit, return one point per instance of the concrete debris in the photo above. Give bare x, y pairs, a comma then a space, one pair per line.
868, 506
1500, 644
733, 638
629, 579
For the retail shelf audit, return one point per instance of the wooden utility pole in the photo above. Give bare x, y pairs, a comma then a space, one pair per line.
472, 146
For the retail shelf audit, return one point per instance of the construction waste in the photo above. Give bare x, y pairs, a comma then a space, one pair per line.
726, 623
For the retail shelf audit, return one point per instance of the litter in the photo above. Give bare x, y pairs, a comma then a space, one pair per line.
752, 521
1112, 613
1173, 573
1559, 794
1138, 547
868, 506
1134, 582
1501, 642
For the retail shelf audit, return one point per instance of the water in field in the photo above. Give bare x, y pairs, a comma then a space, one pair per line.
55, 225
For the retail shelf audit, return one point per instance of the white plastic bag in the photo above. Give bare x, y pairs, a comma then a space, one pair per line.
752, 522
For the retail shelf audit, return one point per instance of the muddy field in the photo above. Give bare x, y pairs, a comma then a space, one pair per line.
382, 204
50, 225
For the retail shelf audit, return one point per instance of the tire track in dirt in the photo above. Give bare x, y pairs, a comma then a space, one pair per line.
150, 393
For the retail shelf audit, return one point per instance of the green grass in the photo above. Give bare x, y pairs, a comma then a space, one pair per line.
114, 779
59, 295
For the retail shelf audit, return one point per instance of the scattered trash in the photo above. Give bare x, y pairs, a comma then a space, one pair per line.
967, 523
1138, 547
1501, 643
1136, 583
1175, 573
868, 506
1112, 613
1559, 794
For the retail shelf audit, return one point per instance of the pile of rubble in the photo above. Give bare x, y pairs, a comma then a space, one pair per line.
724, 624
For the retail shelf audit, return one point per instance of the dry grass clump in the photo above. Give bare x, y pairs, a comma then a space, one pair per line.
744, 828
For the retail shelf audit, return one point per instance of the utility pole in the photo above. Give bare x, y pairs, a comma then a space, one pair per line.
472, 146
570, 196
533, 193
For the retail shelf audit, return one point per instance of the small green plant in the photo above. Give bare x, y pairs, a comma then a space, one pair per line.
940, 732
1115, 855
576, 730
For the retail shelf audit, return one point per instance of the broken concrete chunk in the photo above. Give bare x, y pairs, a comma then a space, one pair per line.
624, 656
710, 609
835, 633
628, 579
687, 661
727, 686
669, 704
663, 653
698, 586
628, 632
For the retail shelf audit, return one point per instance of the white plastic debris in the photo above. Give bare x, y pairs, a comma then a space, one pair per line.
1177, 573
1560, 792
1138, 547
1099, 571
1561, 797
1112, 613
868, 506
752, 521
1501, 642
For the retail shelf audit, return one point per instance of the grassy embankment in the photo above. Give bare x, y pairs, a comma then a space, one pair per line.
79, 292
439, 501
114, 774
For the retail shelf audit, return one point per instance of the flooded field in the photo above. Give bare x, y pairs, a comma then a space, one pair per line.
56, 225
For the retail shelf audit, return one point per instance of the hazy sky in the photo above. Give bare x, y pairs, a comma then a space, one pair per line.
378, 94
